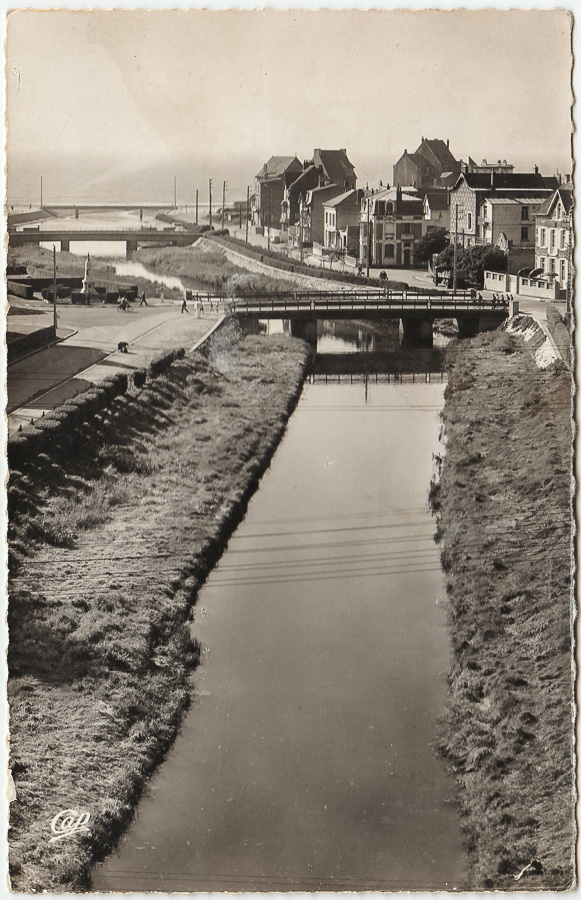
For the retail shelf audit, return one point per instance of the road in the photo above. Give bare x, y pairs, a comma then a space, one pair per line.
45, 379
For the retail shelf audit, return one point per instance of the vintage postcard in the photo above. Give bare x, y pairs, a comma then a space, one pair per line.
290, 304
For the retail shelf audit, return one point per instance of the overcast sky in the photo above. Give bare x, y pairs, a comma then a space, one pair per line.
107, 95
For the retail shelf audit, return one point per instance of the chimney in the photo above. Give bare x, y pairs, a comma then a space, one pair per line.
536, 170
448, 143
492, 179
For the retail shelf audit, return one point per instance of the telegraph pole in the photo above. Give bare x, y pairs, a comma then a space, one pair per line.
268, 241
41, 191
247, 209
368, 238
210, 191
223, 202
175, 194
54, 287
196, 206
455, 250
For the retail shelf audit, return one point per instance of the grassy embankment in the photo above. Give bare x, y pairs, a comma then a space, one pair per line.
109, 547
200, 267
504, 520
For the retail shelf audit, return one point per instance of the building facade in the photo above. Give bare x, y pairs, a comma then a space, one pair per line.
339, 214
471, 189
554, 237
270, 184
390, 222
508, 221
431, 165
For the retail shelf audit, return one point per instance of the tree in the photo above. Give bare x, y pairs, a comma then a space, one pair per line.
434, 241
472, 261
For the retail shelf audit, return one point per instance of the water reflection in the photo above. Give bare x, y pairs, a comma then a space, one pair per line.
346, 350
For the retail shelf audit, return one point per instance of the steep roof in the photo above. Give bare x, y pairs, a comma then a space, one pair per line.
499, 181
563, 193
438, 199
346, 195
335, 164
276, 166
440, 150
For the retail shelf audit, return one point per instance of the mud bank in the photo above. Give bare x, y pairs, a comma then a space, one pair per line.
505, 522
110, 546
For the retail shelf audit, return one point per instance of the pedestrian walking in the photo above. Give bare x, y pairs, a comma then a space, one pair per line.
184, 306
143, 301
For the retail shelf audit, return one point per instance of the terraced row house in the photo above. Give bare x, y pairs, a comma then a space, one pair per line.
284, 183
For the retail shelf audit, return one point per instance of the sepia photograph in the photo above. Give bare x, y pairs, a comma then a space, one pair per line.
290, 372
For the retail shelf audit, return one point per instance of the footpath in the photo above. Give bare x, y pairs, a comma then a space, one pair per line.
87, 350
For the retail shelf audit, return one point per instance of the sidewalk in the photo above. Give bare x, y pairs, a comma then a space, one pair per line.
66, 367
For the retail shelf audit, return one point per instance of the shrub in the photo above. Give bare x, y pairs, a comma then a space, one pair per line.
162, 363
18, 450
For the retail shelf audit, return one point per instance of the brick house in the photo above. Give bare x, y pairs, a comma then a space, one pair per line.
431, 165
310, 225
270, 184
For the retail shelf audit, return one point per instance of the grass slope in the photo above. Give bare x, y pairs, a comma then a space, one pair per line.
109, 546
504, 510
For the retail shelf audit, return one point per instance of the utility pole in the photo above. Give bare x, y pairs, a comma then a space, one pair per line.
175, 195
368, 238
41, 191
247, 209
223, 202
54, 287
196, 206
210, 191
455, 243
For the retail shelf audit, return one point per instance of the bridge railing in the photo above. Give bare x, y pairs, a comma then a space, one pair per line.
287, 302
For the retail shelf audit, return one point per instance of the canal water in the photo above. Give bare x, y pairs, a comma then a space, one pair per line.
307, 760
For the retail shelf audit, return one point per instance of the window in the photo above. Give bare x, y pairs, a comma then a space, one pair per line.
552, 238
379, 231
562, 245
563, 271
469, 221
524, 233
388, 251
542, 237
553, 265
524, 213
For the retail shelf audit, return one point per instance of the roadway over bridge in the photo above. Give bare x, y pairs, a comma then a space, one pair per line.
132, 237
416, 310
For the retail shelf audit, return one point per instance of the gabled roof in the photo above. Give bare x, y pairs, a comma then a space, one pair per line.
564, 194
346, 195
502, 181
319, 193
304, 175
419, 160
335, 164
440, 150
514, 201
276, 166
438, 199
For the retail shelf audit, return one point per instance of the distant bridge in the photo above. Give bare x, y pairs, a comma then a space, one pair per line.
416, 310
131, 236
